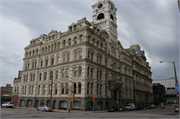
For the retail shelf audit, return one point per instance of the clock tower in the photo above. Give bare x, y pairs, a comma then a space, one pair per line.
104, 16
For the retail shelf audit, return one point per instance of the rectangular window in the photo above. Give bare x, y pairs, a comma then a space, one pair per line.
27, 78
55, 89
44, 89
39, 76
45, 75
25, 90
79, 88
31, 77
91, 72
41, 63
46, 62
97, 73
38, 89
64, 58
88, 72
80, 55
100, 75
62, 88
79, 71
29, 89
35, 64
75, 73
91, 56
34, 77
17, 88
52, 61
32, 64
66, 88
97, 88
24, 78
63, 75
68, 57
57, 74
32, 90
49, 89
100, 89
74, 88
91, 88
28, 65
76, 55
87, 88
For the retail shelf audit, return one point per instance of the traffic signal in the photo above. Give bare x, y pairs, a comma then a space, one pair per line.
93, 97
178, 95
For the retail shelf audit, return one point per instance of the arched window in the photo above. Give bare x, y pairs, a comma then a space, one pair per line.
64, 43
100, 16
111, 16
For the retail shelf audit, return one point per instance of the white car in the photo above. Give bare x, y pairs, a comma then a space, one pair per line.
130, 107
44, 108
176, 108
7, 104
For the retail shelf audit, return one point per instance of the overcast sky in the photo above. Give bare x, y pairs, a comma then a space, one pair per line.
153, 24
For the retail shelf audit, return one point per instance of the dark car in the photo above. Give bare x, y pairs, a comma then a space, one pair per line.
113, 109
139, 107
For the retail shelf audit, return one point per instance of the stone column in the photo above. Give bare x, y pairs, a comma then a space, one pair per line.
59, 89
47, 89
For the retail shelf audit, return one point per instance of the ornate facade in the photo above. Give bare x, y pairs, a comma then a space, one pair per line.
88, 60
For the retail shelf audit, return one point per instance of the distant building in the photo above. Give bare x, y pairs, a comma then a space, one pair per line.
6, 93
158, 91
15, 91
169, 84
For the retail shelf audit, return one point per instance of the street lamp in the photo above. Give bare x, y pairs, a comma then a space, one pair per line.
174, 73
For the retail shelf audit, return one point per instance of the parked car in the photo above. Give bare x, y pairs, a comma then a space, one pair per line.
139, 107
153, 106
176, 108
122, 108
7, 104
112, 109
44, 108
130, 107
148, 106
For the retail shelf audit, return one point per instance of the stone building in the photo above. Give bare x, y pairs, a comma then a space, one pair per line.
88, 60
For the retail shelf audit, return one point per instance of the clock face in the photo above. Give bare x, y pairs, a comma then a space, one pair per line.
100, 5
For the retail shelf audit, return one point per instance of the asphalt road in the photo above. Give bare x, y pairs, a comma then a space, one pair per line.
11, 113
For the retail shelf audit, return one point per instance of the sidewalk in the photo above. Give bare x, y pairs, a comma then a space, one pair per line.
64, 111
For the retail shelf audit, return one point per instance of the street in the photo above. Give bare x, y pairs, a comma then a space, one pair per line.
11, 113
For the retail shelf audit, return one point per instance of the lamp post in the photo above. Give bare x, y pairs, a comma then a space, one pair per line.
175, 75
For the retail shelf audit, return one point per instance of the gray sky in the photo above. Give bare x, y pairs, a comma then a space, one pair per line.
153, 24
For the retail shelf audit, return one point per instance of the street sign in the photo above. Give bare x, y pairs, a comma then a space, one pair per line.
177, 88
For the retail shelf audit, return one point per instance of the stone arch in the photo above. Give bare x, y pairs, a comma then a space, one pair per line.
89, 106
26, 54
76, 105
63, 105
22, 103
29, 103
42, 102
100, 105
29, 53
64, 43
33, 53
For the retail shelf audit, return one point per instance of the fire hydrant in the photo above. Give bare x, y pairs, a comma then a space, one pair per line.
69, 110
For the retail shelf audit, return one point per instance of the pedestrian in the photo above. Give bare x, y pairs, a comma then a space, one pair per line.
69, 110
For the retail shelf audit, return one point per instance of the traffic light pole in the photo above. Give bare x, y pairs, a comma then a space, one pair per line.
93, 104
